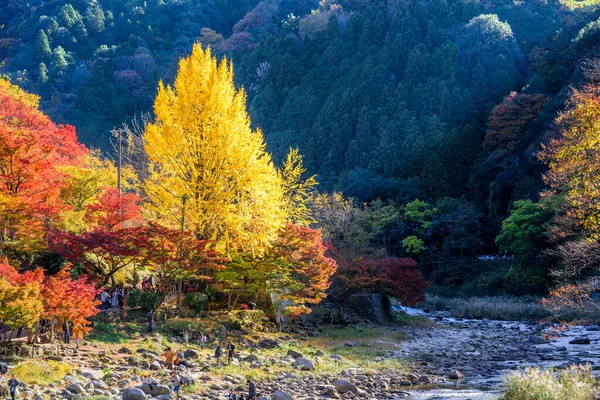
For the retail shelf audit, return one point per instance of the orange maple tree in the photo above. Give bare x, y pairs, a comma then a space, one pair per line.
32, 149
38, 302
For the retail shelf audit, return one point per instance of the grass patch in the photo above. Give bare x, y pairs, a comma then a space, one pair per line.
574, 383
38, 372
503, 308
107, 333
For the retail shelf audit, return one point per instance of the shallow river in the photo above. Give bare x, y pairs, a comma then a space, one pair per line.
484, 351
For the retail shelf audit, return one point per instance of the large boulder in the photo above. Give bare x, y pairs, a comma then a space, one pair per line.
580, 340
133, 394
154, 390
592, 328
190, 354
304, 364
455, 375
279, 395
345, 386
75, 388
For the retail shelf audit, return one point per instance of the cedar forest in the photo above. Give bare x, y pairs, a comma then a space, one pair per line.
308, 149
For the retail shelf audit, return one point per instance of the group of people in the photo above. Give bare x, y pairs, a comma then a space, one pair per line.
116, 299
219, 352
251, 392
174, 379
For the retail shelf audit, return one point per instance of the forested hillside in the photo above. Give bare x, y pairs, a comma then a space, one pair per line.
430, 114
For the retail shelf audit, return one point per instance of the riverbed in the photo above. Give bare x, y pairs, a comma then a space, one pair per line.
484, 351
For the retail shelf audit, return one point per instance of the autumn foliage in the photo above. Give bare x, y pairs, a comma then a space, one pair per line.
31, 297
32, 150
398, 277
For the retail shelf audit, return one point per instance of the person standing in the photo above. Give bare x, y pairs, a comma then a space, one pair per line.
115, 298
218, 354
251, 390
201, 340
230, 351
175, 383
105, 299
67, 331
150, 316
170, 357
13, 385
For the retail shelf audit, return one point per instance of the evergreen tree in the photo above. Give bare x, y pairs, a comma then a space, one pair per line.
42, 46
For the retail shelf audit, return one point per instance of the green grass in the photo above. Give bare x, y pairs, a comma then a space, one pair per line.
38, 372
503, 308
575, 383
107, 333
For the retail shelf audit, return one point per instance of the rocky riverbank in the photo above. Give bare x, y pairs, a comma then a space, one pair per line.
435, 359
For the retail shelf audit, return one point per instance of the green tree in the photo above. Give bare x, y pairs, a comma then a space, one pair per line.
42, 46
524, 230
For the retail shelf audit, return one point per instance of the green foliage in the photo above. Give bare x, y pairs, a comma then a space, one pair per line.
145, 299
413, 245
524, 229
573, 383
196, 301
177, 326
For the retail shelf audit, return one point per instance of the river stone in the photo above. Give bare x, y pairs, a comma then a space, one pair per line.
580, 340
133, 394
294, 354
344, 386
75, 388
279, 395
536, 340
455, 375
155, 365
305, 364
592, 328
268, 344
155, 390
190, 354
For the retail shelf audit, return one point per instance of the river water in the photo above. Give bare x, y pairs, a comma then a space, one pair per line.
485, 351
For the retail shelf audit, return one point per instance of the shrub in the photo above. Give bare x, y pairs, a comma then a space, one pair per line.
38, 372
178, 326
145, 299
196, 301
574, 383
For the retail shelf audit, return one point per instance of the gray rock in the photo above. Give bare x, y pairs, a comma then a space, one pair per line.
592, 328
455, 375
336, 357
190, 354
344, 386
279, 395
154, 390
305, 364
349, 344
155, 365
133, 394
536, 340
580, 340
294, 354
75, 388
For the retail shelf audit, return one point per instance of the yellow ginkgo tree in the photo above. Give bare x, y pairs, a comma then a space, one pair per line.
209, 171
